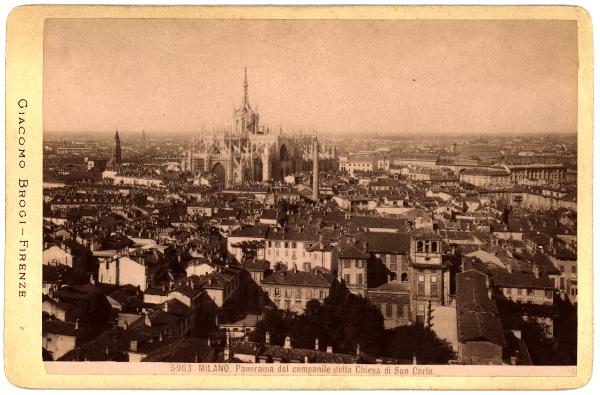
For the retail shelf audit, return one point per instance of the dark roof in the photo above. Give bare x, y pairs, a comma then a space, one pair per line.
290, 354
377, 222
256, 231
256, 265
425, 234
293, 234
350, 251
476, 314
270, 213
292, 277
59, 327
398, 243
182, 349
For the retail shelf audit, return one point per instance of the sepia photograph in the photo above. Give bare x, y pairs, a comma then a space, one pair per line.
307, 196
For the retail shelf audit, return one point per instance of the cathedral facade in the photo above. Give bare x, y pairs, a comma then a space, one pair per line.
250, 152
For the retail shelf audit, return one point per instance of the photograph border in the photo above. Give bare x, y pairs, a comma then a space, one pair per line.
22, 325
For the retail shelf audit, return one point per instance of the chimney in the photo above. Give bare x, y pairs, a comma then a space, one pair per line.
287, 343
315, 186
267, 338
133, 346
536, 271
317, 344
226, 351
329, 350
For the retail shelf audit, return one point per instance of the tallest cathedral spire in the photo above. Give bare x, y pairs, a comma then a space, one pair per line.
245, 87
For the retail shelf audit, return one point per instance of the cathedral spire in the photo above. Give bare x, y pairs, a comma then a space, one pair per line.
245, 87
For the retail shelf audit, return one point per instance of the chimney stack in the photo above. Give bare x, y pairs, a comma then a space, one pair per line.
536, 271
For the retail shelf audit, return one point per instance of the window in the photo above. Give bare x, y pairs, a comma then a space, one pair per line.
433, 289
285, 245
562, 283
561, 268
404, 310
529, 292
288, 293
277, 244
574, 269
421, 285
346, 264
419, 246
404, 277
276, 291
293, 244
434, 246
393, 258
548, 293
519, 291
322, 294
307, 266
309, 293
394, 267
388, 310
270, 244
508, 291
359, 278
347, 279
287, 304
298, 293
359, 263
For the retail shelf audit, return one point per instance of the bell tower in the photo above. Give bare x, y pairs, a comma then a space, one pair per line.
428, 274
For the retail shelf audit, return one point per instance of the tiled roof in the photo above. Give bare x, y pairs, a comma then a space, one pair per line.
377, 222
350, 251
476, 312
182, 349
59, 327
293, 234
251, 231
291, 277
425, 233
398, 243
256, 265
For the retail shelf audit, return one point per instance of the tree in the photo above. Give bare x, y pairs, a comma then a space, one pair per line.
404, 342
277, 323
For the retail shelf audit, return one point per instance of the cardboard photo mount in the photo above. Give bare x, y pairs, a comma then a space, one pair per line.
23, 277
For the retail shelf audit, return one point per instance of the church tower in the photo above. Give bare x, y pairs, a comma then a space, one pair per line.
245, 119
117, 155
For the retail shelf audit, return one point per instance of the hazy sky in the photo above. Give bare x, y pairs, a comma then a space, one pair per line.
334, 76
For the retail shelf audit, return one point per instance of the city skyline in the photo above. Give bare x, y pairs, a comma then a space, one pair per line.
489, 76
